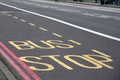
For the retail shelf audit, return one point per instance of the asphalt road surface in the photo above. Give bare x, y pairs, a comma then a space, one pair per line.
46, 40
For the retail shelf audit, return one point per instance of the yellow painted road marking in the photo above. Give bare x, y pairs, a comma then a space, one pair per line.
9, 15
31, 24
58, 35
75, 42
22, 20
98, 52
15, 17
43, 29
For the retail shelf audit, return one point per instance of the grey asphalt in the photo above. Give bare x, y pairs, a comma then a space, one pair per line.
21, 26
75, 15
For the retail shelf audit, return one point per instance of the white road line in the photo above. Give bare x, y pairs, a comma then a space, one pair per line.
63, 22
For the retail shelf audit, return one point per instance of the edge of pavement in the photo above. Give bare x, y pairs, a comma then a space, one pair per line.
90, 3
95, 4
7, 72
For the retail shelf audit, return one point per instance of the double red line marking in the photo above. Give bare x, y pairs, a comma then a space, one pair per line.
12, 62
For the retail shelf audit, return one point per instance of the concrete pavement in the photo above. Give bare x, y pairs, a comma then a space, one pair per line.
5, 73
88, 3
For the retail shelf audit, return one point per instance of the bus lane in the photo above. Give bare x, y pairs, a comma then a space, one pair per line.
49, 54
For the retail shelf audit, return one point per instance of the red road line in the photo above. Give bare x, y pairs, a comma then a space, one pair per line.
35, 76
15, 65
